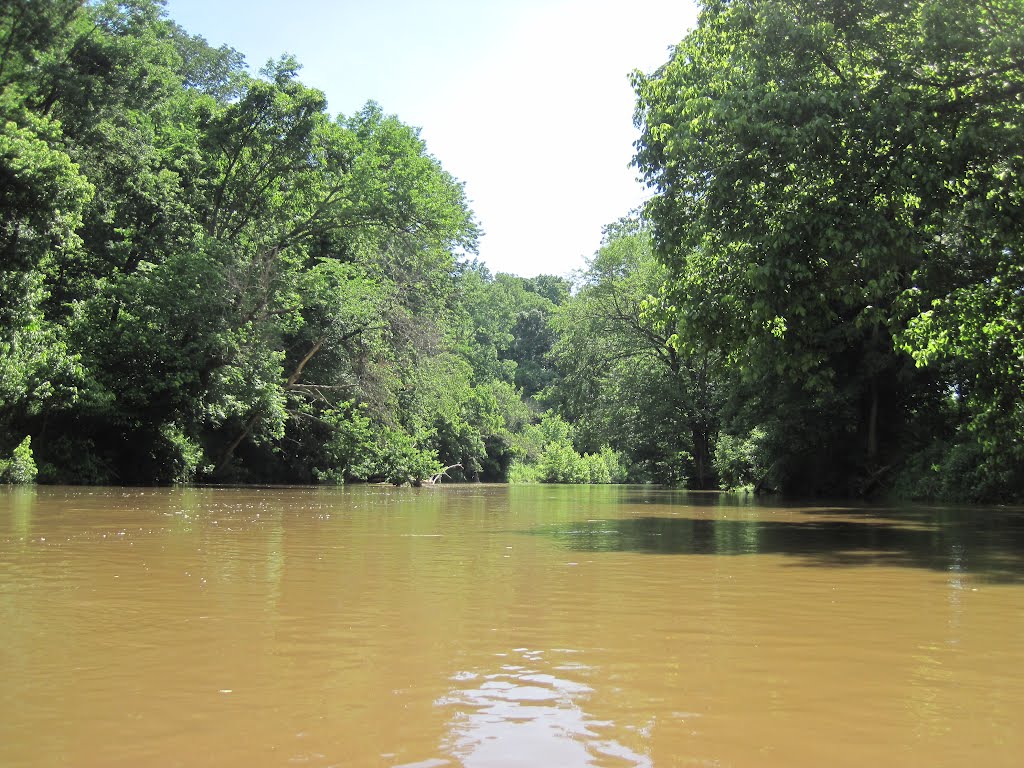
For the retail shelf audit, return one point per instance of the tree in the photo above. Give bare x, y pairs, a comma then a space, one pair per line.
360, 192
504, 325
225, 259
622, 379
824, 173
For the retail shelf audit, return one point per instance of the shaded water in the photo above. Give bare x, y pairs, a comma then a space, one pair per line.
504, 626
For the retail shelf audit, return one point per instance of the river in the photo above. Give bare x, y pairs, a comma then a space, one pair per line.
497, 626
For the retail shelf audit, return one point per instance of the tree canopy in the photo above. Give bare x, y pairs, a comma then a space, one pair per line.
838, 203
207, 276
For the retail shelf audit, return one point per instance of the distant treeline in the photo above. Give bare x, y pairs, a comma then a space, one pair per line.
207, 277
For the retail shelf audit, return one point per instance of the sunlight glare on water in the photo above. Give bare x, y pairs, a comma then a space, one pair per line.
520, 715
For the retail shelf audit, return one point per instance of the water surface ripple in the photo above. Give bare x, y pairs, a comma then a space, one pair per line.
493, 626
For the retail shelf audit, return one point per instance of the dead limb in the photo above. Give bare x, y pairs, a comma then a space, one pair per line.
434, 479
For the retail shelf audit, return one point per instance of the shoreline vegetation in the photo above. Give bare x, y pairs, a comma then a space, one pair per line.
207, 277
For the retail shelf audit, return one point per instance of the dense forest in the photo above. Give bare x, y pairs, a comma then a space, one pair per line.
206, 277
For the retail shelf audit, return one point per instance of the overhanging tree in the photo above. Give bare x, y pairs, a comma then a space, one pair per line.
825, 173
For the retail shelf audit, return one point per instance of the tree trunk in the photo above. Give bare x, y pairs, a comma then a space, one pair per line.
873, 424
246, 431
302, 363
255, 418
873, 407
701, 459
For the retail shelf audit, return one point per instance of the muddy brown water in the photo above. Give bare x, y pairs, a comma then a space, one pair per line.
495, 626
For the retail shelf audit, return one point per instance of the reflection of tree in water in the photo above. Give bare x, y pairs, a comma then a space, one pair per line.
988, 544
523, 715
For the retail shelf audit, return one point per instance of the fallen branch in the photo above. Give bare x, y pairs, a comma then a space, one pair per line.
434, 479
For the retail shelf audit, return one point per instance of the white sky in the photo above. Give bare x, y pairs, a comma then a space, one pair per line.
526, 101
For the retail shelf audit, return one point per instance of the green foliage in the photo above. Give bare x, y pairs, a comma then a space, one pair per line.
359, 450
741, 460
239, 275
75, 459
606, 466
521, 473
506, 335
837, 200
559, 463
404, 459
547, 455
351, 452
42, 196
623, 378
206, 276
176, 457
20, 469
960, 470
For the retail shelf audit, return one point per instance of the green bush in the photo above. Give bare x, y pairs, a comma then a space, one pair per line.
960, 470
739, 461
559, 463
597, 469
176, 457
20, 469
521, 473
73, 459
608, 465
403, 461
352, 452
361, 450
547, 455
